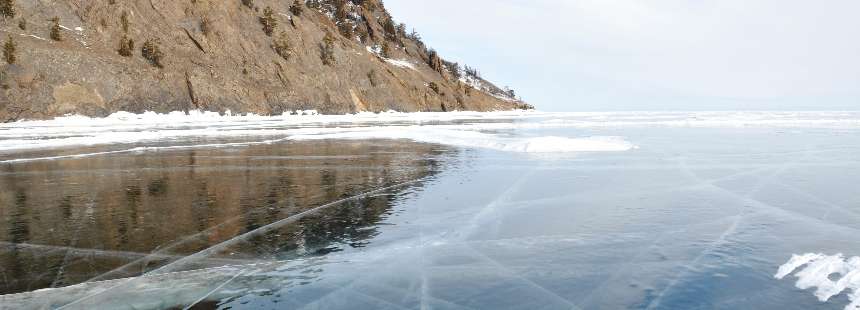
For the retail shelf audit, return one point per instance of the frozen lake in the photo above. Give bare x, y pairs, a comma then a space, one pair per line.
516, 210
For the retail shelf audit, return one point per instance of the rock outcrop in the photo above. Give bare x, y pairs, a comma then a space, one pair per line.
334, 56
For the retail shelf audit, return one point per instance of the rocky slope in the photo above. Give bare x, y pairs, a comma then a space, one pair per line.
334, 56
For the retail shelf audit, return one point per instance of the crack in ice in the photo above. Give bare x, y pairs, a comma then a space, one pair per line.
722, 239
169, 268
214, 290
161, 252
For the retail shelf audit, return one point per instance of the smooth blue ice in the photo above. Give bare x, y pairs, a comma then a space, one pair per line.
700, 214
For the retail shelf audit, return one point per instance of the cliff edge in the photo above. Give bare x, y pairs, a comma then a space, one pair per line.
247, 56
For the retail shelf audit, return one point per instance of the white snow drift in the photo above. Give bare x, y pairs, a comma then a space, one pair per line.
505, 131
466, 138
460, 129
818, 270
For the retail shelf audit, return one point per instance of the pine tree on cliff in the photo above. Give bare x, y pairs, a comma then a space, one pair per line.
340, 10
126, 46
454, 68
472, 72
390, 29
434, 60
401, 30
327, 49
282, 46
151, 50
268, 20
297, 8
9, 51
55, 29
123, 20
7, 8
385, 50
341, 17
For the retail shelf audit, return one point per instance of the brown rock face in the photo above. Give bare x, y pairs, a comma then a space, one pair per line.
216, 56
69, 98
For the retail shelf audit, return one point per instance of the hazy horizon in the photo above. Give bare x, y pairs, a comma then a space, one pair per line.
661, 55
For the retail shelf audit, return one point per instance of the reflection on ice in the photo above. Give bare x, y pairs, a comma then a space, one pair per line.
100, 218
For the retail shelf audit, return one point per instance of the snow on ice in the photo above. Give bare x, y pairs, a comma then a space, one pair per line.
818, 270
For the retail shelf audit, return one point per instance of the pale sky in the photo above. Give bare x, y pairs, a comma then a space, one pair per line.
587, 55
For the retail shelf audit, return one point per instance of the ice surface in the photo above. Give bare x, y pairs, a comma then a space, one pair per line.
700, 216
818, 271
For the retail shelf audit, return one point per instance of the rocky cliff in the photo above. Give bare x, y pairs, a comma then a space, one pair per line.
258, 56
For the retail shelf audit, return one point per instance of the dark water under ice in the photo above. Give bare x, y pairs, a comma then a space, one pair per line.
694, 218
